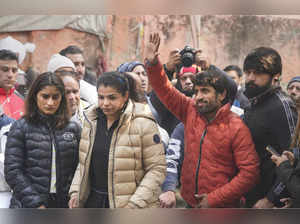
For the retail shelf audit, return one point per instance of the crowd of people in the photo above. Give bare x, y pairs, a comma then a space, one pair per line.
137, 135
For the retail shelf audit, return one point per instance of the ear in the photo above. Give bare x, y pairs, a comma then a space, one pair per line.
276, 78
127, 95
221, 96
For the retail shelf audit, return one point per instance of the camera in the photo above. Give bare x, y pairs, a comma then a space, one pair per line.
187, 56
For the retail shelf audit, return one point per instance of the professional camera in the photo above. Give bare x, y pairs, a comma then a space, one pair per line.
187, 56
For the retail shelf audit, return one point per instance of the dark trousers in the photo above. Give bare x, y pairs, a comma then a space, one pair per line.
97, 199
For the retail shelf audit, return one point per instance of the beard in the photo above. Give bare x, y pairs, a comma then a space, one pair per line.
188, 92
207, 107
253, 90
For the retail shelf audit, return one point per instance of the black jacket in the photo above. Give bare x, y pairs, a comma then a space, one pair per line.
28, 160
271, 119
290, 176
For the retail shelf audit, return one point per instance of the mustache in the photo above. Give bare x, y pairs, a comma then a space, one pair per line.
251, 84
201, 101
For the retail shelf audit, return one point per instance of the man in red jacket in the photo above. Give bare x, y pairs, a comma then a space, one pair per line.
12, 104
220, 162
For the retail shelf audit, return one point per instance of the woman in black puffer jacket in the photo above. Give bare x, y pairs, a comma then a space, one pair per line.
42, 148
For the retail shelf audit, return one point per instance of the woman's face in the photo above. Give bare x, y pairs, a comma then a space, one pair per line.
48, 100
110, 100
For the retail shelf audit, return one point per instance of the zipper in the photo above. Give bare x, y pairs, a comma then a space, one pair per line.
113, 161
90, 136
199, 160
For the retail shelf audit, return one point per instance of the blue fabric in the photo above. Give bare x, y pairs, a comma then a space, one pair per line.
174, 157
5, 120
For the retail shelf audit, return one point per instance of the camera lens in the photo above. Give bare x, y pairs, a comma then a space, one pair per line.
187, 59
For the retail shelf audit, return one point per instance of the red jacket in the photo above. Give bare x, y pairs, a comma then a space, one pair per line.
228, 162
12, 105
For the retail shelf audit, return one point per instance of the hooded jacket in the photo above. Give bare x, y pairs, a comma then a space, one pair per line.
219, 156
136, 166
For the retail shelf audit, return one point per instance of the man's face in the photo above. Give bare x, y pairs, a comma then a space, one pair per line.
257, 83
8, 74
235, 77
72, 91
207, 100
186, 81
294, 91
140, 71
79, 63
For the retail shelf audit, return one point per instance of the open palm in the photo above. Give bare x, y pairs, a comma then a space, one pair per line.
152, 46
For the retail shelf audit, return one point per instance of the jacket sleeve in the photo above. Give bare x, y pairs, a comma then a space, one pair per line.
154, 164
247, 163
174, 157
290, 176
282, 137
175, 101
14, 167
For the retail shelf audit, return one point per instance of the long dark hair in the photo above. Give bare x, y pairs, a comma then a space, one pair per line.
121, 82
32, 112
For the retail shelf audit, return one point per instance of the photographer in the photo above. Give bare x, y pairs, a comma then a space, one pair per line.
178, 62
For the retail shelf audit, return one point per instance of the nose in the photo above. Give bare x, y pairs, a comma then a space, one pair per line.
50, 101
105, 101
250, 76
10, 74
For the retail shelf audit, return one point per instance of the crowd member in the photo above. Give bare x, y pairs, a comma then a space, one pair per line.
271, 120
220, 163
293, 89
139, 69
23, 78
41, 153
136, 83
122, 162
76, 55
76, 105
234, 72
10, 100
59, 63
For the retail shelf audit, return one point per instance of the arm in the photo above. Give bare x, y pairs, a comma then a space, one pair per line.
290, 176
282, 136
14, 167
175, 101
247, 163
154, 164
174, 157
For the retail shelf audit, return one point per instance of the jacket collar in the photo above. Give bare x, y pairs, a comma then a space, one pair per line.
221, 113
92, 112
3, 92
263, 96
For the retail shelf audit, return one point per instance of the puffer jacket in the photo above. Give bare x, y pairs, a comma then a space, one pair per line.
219, 157
28, 161
136, 166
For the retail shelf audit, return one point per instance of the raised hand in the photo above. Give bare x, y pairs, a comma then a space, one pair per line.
151, 52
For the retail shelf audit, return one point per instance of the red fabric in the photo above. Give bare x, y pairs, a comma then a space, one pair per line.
12, 105
229, 163
187, 69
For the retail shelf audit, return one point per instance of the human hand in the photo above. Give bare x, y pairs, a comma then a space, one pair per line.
279, 159
167, 200
174, 59
287, 202
73, 202
290, 156
151, 52
202, 201
202, 61
263, 203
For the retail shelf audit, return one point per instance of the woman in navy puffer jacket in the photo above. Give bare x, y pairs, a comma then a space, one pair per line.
42, 148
